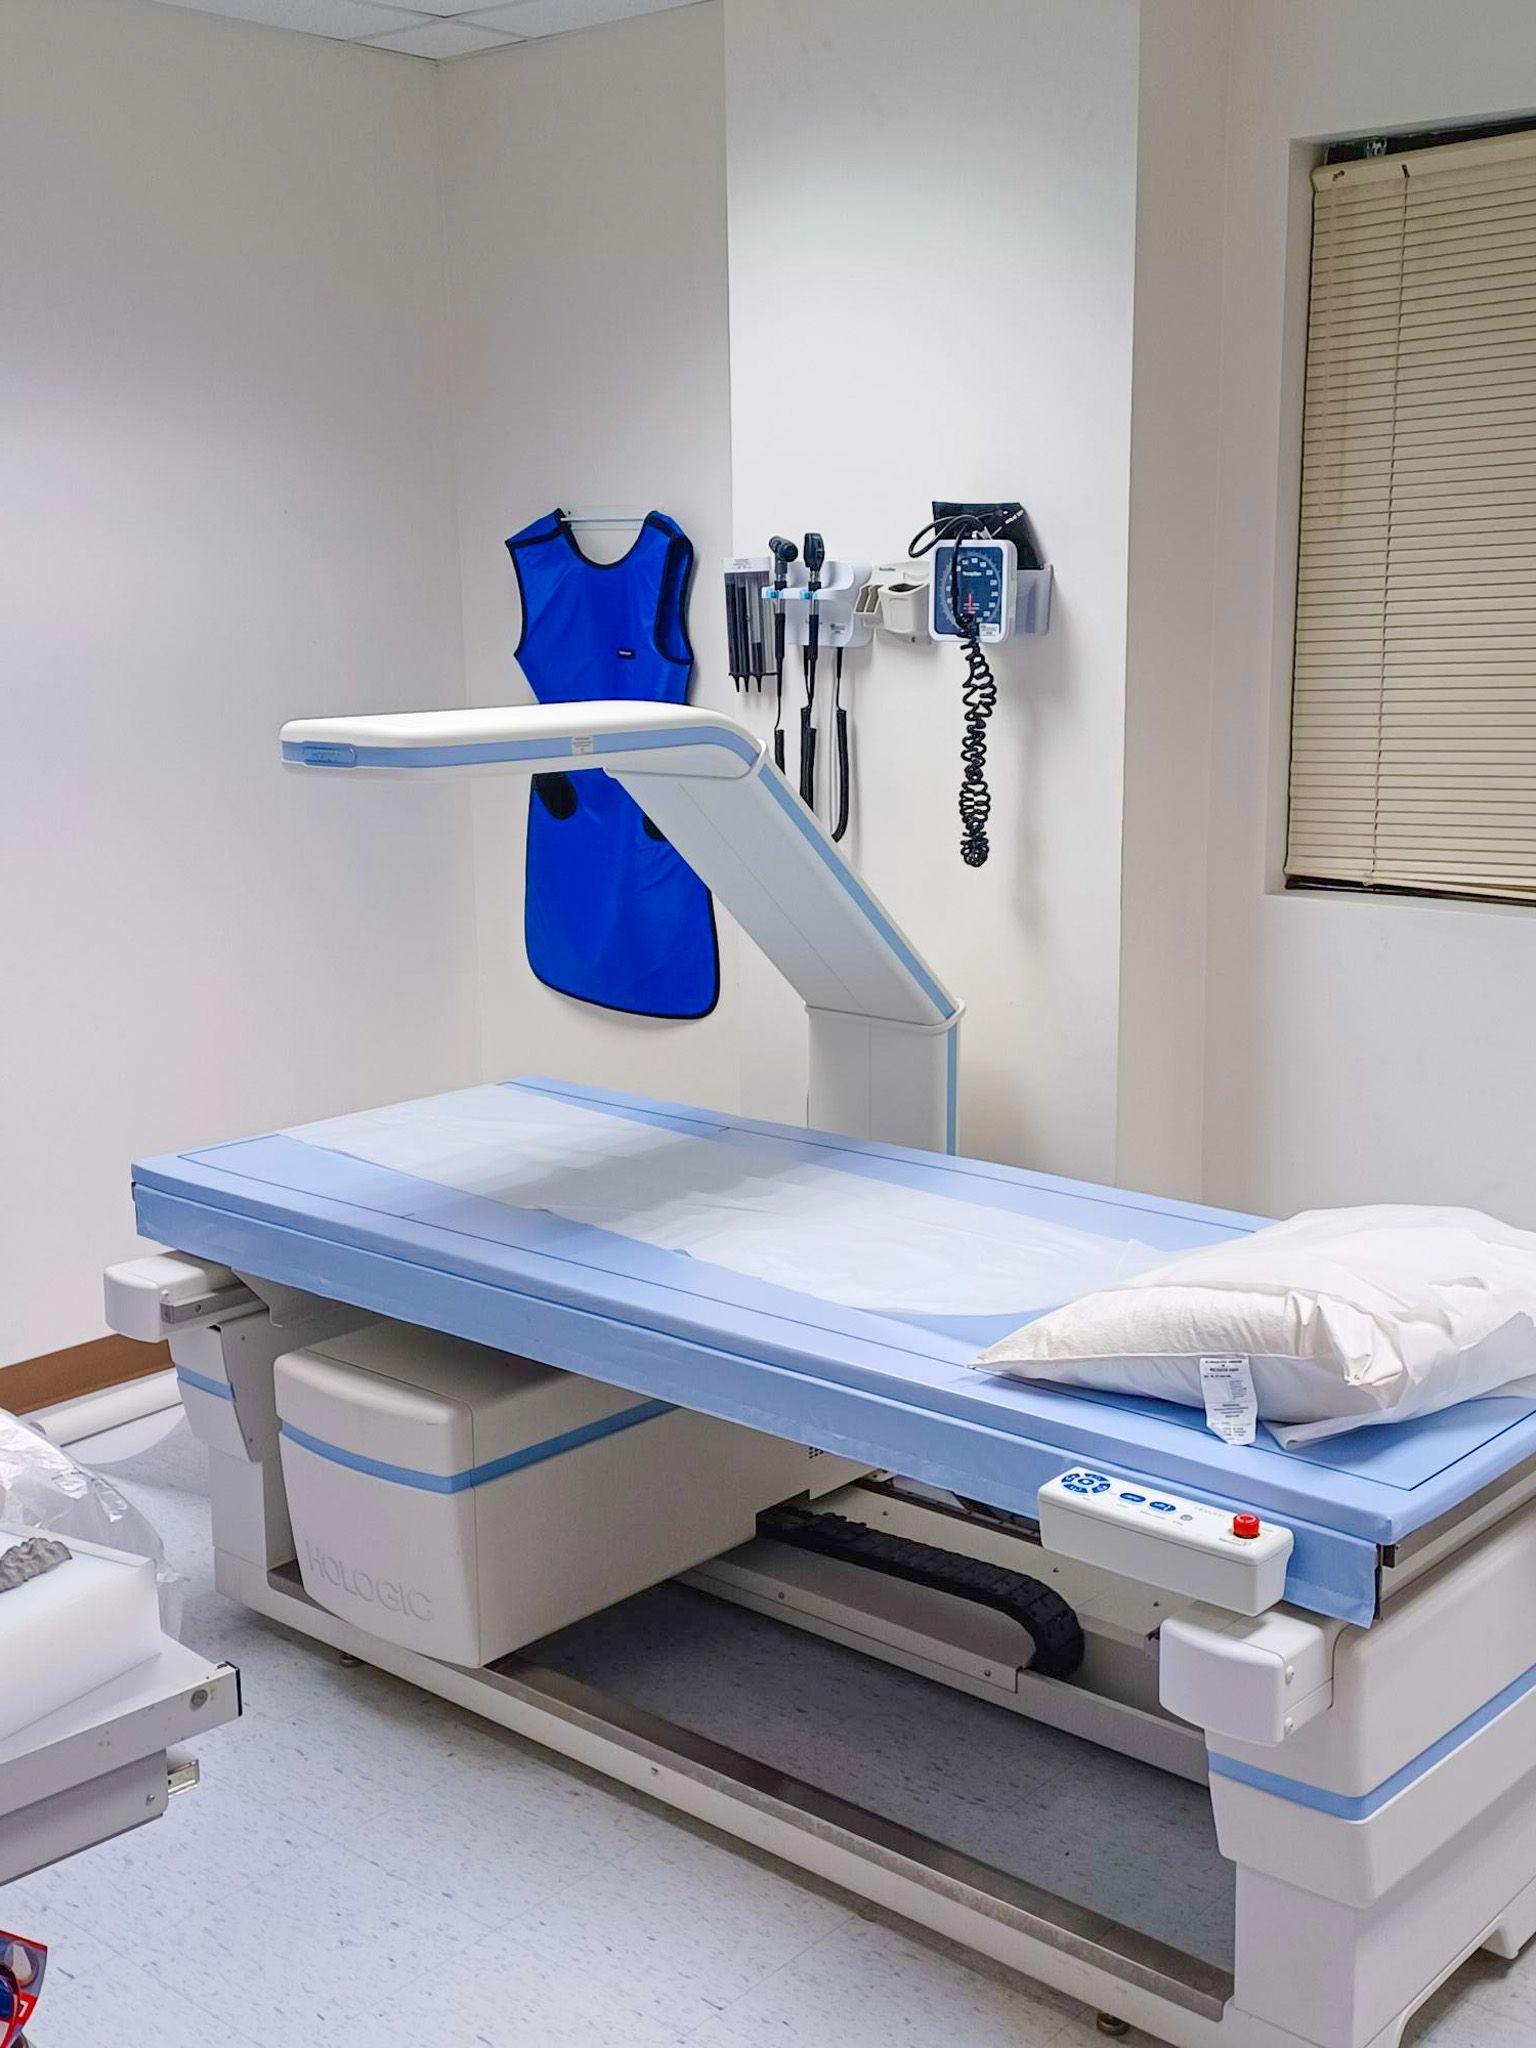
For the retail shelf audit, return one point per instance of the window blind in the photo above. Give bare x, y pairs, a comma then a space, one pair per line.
1413, 722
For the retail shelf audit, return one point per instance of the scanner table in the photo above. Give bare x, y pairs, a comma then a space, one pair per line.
892, 1389
1370, 1742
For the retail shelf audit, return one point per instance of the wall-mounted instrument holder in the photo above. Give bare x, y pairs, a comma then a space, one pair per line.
898, 601
842, 624
895, 600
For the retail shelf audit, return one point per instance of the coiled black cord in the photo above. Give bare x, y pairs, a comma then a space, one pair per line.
978, 692
979, 695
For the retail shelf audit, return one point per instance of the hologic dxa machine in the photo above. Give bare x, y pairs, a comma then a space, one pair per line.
473, 1367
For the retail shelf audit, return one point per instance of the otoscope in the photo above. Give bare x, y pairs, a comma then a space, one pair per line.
815, 555
784, 552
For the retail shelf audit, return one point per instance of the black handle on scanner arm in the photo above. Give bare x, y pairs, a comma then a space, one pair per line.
1051, 1625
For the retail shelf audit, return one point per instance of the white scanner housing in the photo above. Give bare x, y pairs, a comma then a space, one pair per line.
461, 1502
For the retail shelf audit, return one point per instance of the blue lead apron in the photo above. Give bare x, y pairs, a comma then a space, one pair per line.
613, 914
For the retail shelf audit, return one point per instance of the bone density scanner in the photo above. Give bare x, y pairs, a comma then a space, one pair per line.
483, 1377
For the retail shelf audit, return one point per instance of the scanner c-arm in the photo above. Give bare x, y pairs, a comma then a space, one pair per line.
883, 1029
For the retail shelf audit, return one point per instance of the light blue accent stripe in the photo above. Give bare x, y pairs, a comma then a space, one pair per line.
701, 736
1360, 1806
333, 754
376, 1468
203, 1384
479, 1475
811, 831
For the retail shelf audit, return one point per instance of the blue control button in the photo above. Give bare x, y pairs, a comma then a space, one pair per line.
1163, 1507
1135, 1498
1085, 1482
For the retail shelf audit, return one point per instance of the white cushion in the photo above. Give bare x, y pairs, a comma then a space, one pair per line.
1347, 1316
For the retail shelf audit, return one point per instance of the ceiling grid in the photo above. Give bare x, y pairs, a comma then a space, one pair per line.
438, 29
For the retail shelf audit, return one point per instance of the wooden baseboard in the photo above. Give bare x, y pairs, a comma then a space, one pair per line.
81, 1369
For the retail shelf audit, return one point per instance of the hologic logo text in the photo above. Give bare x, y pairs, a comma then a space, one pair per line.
389, 1594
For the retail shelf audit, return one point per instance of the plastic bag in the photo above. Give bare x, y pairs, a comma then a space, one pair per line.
42, 1488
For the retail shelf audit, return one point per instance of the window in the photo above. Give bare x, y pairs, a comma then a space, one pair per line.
1413, 721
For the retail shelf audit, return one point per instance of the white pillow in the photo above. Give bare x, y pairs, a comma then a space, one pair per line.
1345, 1317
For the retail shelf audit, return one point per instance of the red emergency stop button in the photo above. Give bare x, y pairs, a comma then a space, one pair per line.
1246, 1525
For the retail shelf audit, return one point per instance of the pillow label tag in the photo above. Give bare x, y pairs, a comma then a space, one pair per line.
1231, 1406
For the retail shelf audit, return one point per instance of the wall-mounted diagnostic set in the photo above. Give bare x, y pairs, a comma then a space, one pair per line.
799, 596
974, 575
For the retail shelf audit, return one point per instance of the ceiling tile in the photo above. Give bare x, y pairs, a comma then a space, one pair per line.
550, 17
443, 39
348, 18
410, 13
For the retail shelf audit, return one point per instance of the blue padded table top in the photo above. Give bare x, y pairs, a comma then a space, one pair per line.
893, 1390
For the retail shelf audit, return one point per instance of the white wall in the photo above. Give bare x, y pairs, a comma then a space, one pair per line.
323, 325
1174, 448
1015, 246
224, 501
932, 217
586, 222
1358, 1049
296, 333
589, 182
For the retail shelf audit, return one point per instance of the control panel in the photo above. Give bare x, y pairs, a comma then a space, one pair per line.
1232, 1560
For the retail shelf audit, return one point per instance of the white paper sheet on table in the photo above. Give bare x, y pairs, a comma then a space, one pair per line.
753, 1205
